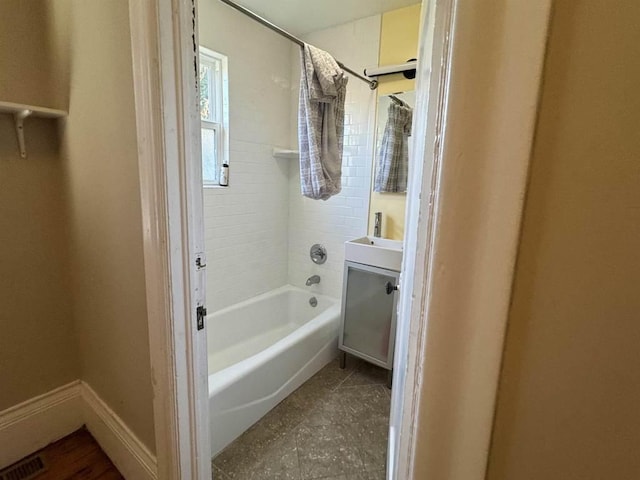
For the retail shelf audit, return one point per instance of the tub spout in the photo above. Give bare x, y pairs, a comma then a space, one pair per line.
313, 279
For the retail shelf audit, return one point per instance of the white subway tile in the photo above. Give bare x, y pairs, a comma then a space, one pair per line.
259, 230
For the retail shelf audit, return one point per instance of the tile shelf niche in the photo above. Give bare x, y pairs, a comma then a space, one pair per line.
21, 111
286, 153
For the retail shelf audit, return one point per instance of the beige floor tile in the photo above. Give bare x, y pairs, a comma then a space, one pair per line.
327, 450
371, 436
218, 474
366, 374
364, 402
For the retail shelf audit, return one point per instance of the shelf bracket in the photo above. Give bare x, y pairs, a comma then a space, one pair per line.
19, 120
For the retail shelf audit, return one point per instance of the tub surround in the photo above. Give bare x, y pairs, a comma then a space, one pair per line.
246, 222
343, 216
263, 210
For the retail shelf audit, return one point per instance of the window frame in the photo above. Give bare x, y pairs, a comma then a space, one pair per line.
209, 57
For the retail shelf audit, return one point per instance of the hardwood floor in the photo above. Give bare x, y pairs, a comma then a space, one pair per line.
77, 456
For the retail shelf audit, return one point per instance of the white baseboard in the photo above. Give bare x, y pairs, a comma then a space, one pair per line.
35, 423
126, 451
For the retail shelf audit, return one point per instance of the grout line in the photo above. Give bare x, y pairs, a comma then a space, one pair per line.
387, 390
348, 376
226, 475
344, 380
295, 439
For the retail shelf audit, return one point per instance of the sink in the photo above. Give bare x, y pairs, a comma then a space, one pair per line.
374, 251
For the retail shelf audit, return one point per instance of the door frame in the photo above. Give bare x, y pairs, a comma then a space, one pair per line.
464, 214
451, 335
164, 53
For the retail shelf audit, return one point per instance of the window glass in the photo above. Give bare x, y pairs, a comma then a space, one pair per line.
213, 115
210, 172
205, 74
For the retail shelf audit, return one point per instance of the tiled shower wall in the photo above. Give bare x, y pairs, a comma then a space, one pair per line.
343, 216
259, 229
246, 223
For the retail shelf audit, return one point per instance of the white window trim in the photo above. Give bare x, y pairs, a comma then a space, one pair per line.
221, 129
218, 131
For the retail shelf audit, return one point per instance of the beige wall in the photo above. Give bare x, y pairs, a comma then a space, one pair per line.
70, 218
106, 224
37, 343
24, 56
568, 405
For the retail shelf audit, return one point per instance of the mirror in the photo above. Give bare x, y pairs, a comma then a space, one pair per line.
388, 186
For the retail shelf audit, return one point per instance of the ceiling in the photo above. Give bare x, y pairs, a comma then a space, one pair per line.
304, 16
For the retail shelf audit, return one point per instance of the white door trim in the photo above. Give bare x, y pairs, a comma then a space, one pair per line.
447, 414
432, 76
463, 223
168, 130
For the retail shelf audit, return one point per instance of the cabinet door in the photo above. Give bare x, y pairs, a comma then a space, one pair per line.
369, 313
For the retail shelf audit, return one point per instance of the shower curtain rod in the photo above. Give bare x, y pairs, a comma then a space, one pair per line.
373, 84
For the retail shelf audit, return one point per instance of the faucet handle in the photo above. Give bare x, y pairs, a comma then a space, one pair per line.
318, 254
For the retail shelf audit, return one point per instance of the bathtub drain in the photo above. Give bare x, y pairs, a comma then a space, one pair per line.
313, 301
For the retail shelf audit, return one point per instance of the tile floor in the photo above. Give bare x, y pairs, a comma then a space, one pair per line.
334, 427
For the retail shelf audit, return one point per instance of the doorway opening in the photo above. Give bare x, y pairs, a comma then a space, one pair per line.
293, 282
175, 260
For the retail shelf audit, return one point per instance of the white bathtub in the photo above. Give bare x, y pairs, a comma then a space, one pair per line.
260, 351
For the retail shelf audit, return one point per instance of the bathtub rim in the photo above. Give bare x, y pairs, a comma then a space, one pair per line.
269, 294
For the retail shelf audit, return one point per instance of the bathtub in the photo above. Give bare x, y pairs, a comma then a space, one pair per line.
260, 351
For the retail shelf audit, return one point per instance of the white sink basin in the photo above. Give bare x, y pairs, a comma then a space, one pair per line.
374, 251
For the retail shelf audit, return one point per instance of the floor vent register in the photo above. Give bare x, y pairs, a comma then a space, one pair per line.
25, 469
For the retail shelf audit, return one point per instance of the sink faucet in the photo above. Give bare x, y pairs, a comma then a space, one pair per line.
377, 227
313, 279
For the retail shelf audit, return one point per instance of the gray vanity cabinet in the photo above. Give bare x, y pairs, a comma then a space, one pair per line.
369, 299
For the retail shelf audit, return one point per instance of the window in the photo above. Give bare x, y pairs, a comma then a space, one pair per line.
214, 114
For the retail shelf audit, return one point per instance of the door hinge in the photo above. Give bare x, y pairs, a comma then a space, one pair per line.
201, 314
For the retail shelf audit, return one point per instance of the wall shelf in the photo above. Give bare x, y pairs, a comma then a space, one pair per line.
21, 111
408, 69
286, 153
